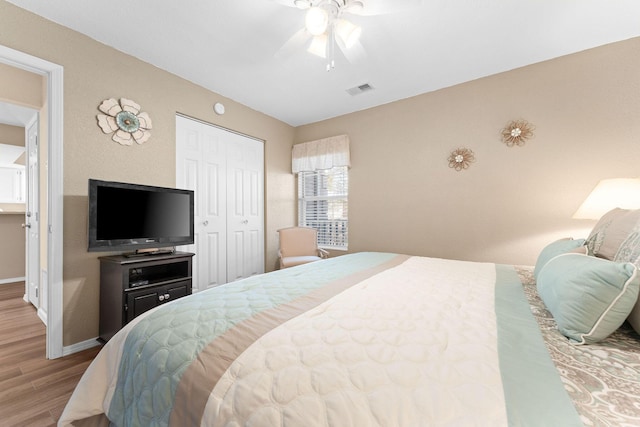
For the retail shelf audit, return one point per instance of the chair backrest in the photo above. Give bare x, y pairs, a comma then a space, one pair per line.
298, 241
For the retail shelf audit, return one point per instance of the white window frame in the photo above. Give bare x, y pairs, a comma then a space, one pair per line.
332, 233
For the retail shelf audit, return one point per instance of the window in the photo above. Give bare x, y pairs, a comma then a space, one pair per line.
322, 204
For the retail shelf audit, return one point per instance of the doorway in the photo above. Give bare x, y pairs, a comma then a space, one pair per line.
20, 198
53, 74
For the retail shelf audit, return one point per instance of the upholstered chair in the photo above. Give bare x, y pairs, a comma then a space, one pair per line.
299, 245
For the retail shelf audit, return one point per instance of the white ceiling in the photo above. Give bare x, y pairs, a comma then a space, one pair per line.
234, 47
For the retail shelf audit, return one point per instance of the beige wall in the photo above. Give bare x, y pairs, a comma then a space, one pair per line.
20, 87
511, 201
11, 135
12, 247
94, 72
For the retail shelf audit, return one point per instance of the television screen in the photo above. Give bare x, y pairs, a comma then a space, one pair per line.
125, 216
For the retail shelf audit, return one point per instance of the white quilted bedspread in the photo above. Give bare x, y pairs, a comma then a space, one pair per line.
416, 353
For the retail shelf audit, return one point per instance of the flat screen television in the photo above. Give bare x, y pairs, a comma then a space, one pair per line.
133, 217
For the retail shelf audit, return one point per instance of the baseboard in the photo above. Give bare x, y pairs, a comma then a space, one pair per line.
42, 314
14, 280
77, 347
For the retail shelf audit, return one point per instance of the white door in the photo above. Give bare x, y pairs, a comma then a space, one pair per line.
245, 172
32, 219
203, 155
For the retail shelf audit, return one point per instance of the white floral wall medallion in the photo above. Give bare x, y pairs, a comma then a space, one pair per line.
461, 158
517, 132
125, 121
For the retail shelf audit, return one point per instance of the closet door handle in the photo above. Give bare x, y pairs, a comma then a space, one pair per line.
205, 222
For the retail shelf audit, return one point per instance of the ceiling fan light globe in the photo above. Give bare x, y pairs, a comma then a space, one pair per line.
318, 46
347, 32
316, 20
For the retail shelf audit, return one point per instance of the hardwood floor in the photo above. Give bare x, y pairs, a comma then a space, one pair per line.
33, 389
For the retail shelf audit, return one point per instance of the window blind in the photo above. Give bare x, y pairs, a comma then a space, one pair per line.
323, 205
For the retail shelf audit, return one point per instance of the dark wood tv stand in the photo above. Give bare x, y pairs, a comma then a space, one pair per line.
130, 286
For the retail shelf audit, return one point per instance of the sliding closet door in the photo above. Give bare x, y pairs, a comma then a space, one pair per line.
227, 174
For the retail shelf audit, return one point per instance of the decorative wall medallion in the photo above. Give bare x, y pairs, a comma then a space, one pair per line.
461, 159
517, 132
125, 121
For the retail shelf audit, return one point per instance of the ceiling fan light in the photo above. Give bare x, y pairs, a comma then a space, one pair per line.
318, 46
302, 4
347, 32
316, 20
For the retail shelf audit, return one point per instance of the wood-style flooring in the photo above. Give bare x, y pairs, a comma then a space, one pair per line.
33, 389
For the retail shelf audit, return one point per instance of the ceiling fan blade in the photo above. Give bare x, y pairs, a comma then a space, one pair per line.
295, 43
285, 2
382, 7
354, 54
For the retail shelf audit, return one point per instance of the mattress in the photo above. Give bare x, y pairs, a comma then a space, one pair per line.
367, 339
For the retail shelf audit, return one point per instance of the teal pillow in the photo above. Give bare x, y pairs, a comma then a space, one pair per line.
556, 248
588, 297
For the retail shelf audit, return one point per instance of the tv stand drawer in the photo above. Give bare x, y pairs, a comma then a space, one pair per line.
139, 301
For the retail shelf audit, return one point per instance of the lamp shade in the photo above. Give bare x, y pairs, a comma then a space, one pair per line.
623, 193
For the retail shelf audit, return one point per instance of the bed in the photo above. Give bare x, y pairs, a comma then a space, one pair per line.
369, 339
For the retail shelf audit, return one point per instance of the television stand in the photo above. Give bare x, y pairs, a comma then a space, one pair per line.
129, 286
149, 252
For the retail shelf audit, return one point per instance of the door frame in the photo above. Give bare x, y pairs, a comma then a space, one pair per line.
54, 74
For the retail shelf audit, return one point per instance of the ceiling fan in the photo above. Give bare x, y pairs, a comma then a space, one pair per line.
326, 25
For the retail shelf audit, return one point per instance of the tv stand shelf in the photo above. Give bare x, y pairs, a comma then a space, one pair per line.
129, 286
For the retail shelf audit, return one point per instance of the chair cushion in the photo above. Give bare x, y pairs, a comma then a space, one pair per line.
290, 261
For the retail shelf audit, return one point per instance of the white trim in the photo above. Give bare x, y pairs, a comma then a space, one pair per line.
42, 315
14, 280
80, 346
55, 214
55, 81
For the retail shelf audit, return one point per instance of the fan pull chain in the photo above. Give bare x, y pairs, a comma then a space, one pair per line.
331, 63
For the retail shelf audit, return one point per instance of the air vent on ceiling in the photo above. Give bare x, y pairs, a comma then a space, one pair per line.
359, 89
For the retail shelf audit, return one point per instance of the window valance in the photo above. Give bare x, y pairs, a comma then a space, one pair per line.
321, 154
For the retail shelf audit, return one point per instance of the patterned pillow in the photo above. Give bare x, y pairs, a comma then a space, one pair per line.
611, 231
629, 251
